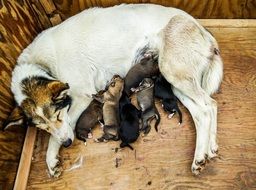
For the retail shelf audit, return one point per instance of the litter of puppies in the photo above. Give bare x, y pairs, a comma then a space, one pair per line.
121, 119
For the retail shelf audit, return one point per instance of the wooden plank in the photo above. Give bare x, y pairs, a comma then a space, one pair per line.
25, 160
228, 23
18, 27
200, 9
162, 160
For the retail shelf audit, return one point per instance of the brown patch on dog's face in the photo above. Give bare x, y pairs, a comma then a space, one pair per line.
46, 106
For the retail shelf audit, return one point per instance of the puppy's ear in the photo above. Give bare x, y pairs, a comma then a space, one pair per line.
99, 98
58, 89
17, 117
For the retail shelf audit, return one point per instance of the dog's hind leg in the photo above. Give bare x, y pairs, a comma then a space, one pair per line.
186, 61
199, 104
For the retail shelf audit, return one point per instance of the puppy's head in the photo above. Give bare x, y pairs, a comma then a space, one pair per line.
116, 86
45, 106
145, 84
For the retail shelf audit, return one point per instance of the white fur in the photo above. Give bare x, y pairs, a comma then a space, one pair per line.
89, 48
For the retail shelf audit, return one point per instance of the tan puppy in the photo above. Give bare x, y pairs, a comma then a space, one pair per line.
110, 100
89, 118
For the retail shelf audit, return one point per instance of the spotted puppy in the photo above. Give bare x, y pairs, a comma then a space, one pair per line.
110, 100
145, 98
147, 67
163, 91
89, 118
129, 122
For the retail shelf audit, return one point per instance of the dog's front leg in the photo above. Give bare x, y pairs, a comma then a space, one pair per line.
52, 155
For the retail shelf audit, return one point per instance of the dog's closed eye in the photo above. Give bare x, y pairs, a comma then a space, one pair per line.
38, 120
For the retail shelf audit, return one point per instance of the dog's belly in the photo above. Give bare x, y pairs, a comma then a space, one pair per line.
89, 48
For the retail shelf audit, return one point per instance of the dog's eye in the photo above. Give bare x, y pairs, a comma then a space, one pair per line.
38, 121
59, 117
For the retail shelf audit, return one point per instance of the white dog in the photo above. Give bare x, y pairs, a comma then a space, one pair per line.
58, 72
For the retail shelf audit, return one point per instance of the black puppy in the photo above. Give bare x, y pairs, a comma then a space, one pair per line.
129, 122
163, 91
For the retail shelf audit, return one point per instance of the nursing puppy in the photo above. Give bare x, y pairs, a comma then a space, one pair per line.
163, 91
110, 100
129, 122
147, 67
145, 98
89, 118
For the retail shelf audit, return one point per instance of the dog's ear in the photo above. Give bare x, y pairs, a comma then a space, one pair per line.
17, 117
99, 98
58, 89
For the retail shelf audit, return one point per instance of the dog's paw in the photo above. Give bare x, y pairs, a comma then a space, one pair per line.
212, 150
54, 167
198, 166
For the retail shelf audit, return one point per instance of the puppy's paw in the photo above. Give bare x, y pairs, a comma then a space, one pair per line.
171, 115
89, 135
101, 139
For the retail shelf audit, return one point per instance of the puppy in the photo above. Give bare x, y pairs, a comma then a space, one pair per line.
147, 67
110, 100
89, 118
129, 122
145, 98
163, 91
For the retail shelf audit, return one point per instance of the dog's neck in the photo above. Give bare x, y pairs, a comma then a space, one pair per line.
22, 72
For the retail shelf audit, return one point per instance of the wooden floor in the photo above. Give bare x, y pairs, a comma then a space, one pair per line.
162, 160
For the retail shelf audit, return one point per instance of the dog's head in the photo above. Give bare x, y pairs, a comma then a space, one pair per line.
45, 106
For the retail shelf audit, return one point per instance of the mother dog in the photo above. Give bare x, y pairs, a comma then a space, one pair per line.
56, 74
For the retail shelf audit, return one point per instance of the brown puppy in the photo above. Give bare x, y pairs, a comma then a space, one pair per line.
145, 98
110, 100
147, 67
89, 118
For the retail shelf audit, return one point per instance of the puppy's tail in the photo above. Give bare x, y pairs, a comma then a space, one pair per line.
124, 144
158, 118
180, 115
213, 73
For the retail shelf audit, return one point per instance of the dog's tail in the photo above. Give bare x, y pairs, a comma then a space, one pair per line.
124, 144
213, 73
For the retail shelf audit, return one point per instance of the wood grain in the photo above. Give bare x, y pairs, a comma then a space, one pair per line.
197, 8
162, 160
18, 27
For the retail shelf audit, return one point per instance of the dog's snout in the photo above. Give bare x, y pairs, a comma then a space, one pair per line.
67, 143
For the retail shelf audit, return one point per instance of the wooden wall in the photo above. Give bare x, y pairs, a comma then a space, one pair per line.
18, 27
